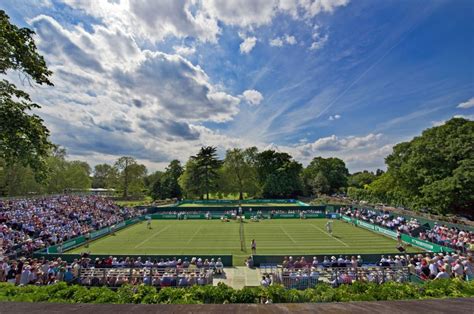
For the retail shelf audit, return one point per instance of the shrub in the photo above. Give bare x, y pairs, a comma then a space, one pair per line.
221, 293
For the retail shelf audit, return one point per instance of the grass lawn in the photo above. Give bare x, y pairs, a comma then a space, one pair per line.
278, 236
243, 205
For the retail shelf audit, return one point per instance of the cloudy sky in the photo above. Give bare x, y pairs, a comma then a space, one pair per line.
157, 79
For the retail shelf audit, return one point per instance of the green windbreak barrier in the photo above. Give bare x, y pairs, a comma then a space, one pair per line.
226, 259
99, 233
260, 260
422, 220
237, 202
80, 240
158, 210
66, 245
322, 215
432, 247
164, 216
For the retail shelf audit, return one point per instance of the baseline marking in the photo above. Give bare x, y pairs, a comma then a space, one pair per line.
330, 235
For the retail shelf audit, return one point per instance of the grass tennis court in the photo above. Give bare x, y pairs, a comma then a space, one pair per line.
278, 236
242, 205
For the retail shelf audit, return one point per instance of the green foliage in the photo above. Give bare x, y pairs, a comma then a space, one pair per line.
23, 136
16, 179
278, 174
434, 171
358, 291
165, 185
238, 174
131, 176
325, 176
361, 179
105, 177
201, 174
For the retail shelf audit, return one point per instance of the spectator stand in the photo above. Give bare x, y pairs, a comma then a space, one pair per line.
151, 276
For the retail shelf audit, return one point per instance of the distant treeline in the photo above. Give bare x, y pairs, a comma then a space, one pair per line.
433, 171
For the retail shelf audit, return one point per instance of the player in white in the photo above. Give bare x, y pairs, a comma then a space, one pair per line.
329, 227
148, 222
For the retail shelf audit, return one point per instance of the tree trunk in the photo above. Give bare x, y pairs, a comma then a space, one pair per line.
241, 195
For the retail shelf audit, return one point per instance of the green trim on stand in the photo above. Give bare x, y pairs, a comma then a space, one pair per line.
432, 247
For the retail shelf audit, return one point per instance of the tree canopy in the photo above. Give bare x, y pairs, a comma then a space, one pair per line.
165, 185
23, 136
434, 171
325, 175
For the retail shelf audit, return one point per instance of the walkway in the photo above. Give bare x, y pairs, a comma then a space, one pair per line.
239, 277
454, 306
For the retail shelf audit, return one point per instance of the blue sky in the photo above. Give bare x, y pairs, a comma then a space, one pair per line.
158, 79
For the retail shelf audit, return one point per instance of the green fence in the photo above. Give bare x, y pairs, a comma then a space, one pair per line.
226, 259
80, 240
405, 238
157, 210
237, 202
258, 260
420, 219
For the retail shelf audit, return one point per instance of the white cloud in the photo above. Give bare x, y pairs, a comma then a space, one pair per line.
105, 80
252, 97
319, 41
359, 152
104, 103
184, 50
242, 13
276, 42
280, 41
156, 20
465, 116
247, 45
335, 143
466, 104
248, 13
312, 8
291, 40
334, 117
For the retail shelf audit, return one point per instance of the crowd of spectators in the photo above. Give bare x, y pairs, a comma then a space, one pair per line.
110, 271
300, 274
452, 237
30, 224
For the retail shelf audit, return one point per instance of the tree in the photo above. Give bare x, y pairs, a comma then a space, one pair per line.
16, 179
137, 174
166, 185
361, 179
170, 184
206, 166
335, 171
239, 172
320, 184
105, 176
278, 174
435, 170
131, 175
154, 186
77, 175
23, 136
190, 181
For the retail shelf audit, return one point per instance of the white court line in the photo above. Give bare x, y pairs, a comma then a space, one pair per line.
152, 236
190, 239
288, 235
330, 235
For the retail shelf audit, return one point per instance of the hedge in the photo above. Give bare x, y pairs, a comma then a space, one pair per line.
62, 293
